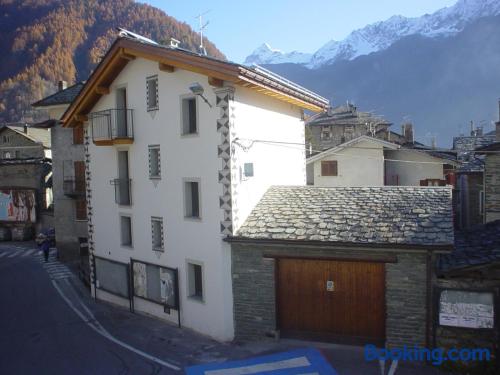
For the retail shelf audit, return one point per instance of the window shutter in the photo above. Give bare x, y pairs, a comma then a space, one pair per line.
79, 167
329, 168
81, 209
78, 135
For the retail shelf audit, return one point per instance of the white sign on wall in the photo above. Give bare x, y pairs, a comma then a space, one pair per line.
466, 309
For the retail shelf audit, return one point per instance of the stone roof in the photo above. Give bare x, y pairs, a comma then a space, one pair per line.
346, 115
65, 96
360, 215
478, 246
465, 144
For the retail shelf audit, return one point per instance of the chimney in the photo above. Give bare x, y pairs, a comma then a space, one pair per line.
472, 131
407, 130
62, 85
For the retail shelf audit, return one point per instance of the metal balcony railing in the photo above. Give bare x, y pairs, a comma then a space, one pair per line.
123, 193
111, 125
73, 187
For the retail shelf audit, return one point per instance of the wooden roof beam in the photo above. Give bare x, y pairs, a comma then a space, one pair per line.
81, 118
126, 56
166, 68
102, 90
215, 82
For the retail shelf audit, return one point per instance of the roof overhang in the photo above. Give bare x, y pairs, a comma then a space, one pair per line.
124, 50
437, 248
331, 151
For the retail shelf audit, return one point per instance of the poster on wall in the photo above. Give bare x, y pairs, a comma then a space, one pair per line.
140, 280
168, 287
17, 205
466, 309
156, 283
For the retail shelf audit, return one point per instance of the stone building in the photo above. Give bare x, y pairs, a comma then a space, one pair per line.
344, 123
491, 177
343, 264
470, 177
25, 165
70, 209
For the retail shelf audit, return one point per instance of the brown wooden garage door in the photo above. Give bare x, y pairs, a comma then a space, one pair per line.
353, 312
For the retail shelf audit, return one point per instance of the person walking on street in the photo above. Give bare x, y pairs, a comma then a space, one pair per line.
44, 245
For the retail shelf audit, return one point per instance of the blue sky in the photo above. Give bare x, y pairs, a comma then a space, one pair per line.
238, 27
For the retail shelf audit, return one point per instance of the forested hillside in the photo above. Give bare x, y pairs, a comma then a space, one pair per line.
43, 41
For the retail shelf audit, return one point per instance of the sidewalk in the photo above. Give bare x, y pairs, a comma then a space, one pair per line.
184, 347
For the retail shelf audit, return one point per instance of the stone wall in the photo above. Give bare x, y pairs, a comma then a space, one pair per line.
492, 187
254, 290
68, 229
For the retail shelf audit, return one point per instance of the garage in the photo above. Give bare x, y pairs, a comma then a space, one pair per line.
328, 300
342, 265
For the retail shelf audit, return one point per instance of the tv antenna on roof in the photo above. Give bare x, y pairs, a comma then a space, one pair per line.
202, 27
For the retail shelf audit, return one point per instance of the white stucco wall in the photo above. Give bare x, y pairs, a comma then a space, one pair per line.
182, 157
419, 167
360, 165
261, 118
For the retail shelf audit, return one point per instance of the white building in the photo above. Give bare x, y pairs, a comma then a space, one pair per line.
368, 161
179, 150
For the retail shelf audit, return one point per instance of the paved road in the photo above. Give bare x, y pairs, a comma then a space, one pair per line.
41, 334
50, 325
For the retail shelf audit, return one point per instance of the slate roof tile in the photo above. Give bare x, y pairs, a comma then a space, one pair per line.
386, 215
477, 246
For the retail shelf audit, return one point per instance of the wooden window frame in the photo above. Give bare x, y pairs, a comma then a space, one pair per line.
329, 168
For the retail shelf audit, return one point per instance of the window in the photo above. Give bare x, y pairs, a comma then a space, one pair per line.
7, 155
248, 169
17, 153
81, 209
78, 135
126, 230
189, 118
192, 199
481, 202
195, 281
6, 139
157, 233
329, 168
154, 162
152, 93
326, 133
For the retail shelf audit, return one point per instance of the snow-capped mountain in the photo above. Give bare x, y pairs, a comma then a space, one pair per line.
380, 35
267, 55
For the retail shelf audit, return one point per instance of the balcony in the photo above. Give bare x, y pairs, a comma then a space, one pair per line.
74, 187
112, 127
123, 194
